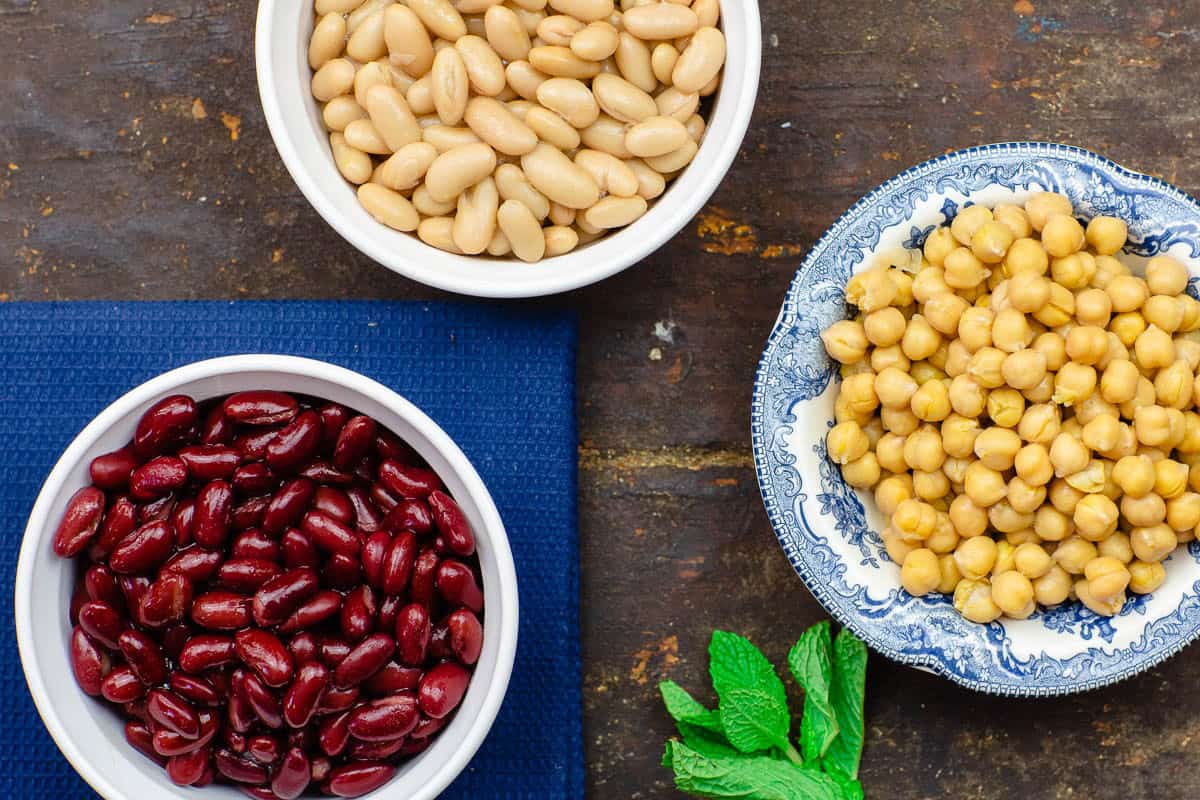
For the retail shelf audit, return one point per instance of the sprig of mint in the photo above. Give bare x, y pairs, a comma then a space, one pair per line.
743, 748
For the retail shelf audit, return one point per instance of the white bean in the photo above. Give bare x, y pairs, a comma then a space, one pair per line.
420, 97
656, 136
621, 100
362, 135
561, 215
341, 111
651, 184
523, 231
524, 78
660, 21
323, 7
561, 62
606, 134
701, 62
484, 68
586, 10
560, 240
675, 160
391, 208
407, 166
355, 165
570, 99
673, 103
407, 39
499, 245
446, 137
552, 129
392, 117
367, 43
423, 201
634, 60
505, 33
475, 6
513, 185
369, 75
440, 17
328, 40
558, 30
708, 12
475, 222
438, 232
615, 212
450, 85
333, 79
453, 171
610, 173
495, 124
663, 58
361, 14
554, 175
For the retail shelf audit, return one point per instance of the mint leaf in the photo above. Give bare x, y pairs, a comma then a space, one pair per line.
849, 790
846, 695
811, 662
746, 777
753, 704
684, 708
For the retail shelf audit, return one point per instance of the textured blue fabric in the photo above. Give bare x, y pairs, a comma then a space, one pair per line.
499, 380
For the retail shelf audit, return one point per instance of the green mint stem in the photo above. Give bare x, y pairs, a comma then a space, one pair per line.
792, 754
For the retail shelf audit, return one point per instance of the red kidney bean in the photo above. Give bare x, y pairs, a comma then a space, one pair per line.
121, 686
333, 417
102, 622
206, 651
182, 519
132, 588
407, 481
393, 678
102, 585
79, 597
385, 719
366, 516
157, 477
304, 695
353, 442
342, 571
398, 562
298, 549
374, 548
303, 647
364, 471
374, 751
186, 769
247, 574
424, 577
239, 713
326, 474
295, 444
389, 445
265, 654
119, 521
141, 738
239, 769
335, 700
321, 767
288, 504
208, 777
442, 689
466, 636
111, 471
195, 689
162, 508
358, 613
173, 712
410, 515
333, 650
304, 738
334, 734
456, 584
170, 743
213, 509
80, 521
292, 775
439, 642
167, 600
174, 638
253, 446
329, 534
412, 635
195, 563
221, 611
335, 503
452, 524
367, 658
357, 778
249, 513
383, 498
263, 749
428, 726
166, 425
136, 711
312, 612
411, 747
251, 480
279, 597
255, 544
210, 462
144, 549
217, 428
261, 407
389, 611
261, 700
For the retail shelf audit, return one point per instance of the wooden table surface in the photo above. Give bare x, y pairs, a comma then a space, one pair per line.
136, 164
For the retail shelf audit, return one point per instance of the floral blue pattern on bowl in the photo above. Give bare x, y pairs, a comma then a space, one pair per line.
829, 531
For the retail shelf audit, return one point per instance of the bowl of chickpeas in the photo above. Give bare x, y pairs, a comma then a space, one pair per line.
976, 423
508, 148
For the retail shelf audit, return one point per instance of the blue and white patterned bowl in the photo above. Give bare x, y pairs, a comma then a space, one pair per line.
830, 531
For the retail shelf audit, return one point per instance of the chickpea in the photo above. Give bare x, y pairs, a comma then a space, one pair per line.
1073, 554
1026, 255
1086, 344
943, 311
1095, 517
871, 290
930, 485
944, 538
1183, 512
1043, 392
973, 599
1143, 397
1127, 327
1010, 331
1153, 542
997, 448
1063, 496
1107, 235
1024, 497
958, 436
894, 388
967, 397
1033, 465
1152, 425
891, 492
963, 269
931, 402
929, 283
1170, 478
1127, 293
1015, 218
1059, 309
975, 556
969, 520
884, 327
957, 358
1024, 369
1028, 292
1032, 560
845, 341
1040, 423
1190, 444
1173, 385
890, 452
903, 281
900, 421
983, 485
1062, 235
1149, 509
920, 574
955, 470
950, 575
898, 548
991, 241
1052, 588
1073, 384
1068, 455
1005, 406
975, 328
1012, 593
1191, 313
1053, 348
1044, 205
884, 357
1051, 524
939, 244
1165, 275
1145, 577
986, 367
1119, 382
1093, 307
968, 221
1154, 348
1102, 433
1107, 268
1105, 607
1116, 546
1135, 475
923, 449
1163, 312
846, 442
1188, 351
920, 340
862, 473
1074, 271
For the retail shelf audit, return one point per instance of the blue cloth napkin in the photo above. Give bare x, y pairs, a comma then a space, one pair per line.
499, 380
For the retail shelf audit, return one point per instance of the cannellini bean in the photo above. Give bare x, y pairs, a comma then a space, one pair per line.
438, 232
529, 5
587, 231
596, 42
675, 160
610, 173
355, 165
361, 14
621, 100
656, 136
506, 34
560, 240
495, 124
524, 78
552, 129
674, 103
659, 21
701, 62
499, 245
530, 19
662, 60
400, 79
634, 60
513, 185
362, 135
519, 108
446, 137
420, 97
441, 18
712, 86
708, 12
561, 215
336, 6
453, 171
615, 212
391, 208
475, 6
475, 222
484, 68
561, 62
558, 30
554, 175
407, 40
368, 75
423, 201
333, 79
586, 10
696, 127
606, 134
570, 99
523, 231
450, 85
328, 40
407, 166
651, 184
392, 117
367, 43
341, 111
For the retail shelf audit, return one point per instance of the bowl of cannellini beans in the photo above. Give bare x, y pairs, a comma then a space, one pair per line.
977, 421
508, 148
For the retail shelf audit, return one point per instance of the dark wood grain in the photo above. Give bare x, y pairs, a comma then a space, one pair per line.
136, 164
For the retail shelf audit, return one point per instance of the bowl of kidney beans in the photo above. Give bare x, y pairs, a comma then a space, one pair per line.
267, 575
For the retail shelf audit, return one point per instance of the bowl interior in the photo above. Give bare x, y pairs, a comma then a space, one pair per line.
830, 531
89, 732
284, 27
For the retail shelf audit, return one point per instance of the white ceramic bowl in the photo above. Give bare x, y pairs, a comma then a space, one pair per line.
89, 732
281, 51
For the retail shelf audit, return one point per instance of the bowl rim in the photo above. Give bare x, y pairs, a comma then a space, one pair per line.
928, 663
38, 530
557, 274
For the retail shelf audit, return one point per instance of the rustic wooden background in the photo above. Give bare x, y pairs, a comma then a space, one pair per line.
135, 163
